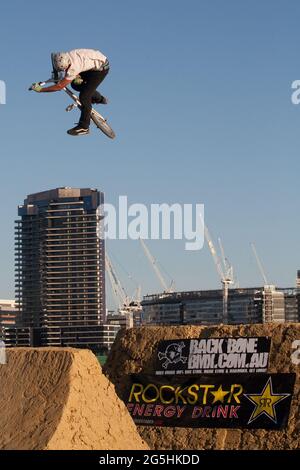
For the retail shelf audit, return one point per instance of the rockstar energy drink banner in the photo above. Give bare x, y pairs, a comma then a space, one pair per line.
212, 401
213, 355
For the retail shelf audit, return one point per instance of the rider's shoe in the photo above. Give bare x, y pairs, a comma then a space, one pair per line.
103, 100
78, 130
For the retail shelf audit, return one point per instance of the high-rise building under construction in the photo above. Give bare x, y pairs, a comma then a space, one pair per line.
60, 268
248, 305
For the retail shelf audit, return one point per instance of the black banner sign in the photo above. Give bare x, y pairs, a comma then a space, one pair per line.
213, 355
211, 401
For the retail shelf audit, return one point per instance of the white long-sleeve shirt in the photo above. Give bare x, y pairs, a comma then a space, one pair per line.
83, 60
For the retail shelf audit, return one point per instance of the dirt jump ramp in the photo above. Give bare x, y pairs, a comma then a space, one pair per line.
134, 351
58, 398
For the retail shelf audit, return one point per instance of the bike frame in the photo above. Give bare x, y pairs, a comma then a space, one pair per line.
71, 95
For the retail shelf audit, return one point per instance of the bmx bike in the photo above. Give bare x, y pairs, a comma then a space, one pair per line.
96, 117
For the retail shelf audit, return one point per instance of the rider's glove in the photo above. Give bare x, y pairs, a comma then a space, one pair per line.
78, 80
36, 87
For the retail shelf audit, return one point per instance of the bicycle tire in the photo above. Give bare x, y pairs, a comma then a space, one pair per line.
102, 125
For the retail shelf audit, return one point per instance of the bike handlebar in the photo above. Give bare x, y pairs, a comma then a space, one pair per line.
50, 80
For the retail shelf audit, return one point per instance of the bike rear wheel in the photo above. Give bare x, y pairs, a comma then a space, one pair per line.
102, 124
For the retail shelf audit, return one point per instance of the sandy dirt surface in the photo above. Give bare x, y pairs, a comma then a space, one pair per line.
134, 352
58, 398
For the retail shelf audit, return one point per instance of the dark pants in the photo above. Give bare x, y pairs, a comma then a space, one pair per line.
88, 93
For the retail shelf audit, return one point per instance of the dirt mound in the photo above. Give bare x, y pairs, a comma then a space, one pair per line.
134, 351
58, 398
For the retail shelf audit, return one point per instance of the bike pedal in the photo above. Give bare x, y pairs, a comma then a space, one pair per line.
70, 107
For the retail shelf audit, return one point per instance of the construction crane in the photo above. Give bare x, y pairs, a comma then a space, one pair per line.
228, 268
226, 265
137, 295
259, 264
118, 290
126, 305
225, 274
155, 267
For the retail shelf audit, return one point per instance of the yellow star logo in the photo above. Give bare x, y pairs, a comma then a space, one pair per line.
265, 402
219, 395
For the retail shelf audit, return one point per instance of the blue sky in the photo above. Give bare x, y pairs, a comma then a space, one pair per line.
200, 99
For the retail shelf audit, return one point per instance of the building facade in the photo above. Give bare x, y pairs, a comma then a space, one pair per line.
60, 268
292, 305
8, 313
251, 305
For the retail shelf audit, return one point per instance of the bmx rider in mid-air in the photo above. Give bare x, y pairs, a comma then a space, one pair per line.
84, 69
